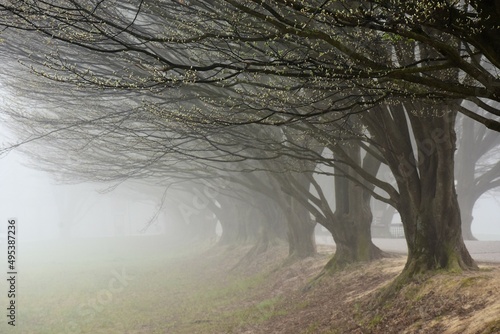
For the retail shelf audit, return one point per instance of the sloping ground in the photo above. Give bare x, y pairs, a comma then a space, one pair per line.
347, 302
144, 285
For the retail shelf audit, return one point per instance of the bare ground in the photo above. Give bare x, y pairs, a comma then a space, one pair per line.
347, 302
215, 290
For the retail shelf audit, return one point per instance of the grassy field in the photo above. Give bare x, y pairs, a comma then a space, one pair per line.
149, 285
131, 285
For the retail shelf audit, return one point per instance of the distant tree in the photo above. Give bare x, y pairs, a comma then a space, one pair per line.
207, 65
477, 167
350, 220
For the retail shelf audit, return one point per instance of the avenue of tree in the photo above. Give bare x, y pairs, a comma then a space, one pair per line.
263, 97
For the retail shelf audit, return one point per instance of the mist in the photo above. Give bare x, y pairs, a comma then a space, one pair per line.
100, 210
249, 167
44, 208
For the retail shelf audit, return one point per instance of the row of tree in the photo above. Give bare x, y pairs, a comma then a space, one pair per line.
267, 95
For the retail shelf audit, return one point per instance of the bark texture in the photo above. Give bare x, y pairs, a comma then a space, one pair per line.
351, 222
427, 201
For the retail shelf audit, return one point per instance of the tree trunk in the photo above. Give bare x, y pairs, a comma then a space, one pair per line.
351, 226
234, 217
433, 234
264, 220
351, 223
428, 201
424, 172
301, 241
293, 202
466, 204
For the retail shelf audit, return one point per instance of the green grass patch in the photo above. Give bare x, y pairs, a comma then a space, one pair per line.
132, 286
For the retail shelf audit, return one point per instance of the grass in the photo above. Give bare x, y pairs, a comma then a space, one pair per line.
112, 289
377, 319
492, 327
145, 285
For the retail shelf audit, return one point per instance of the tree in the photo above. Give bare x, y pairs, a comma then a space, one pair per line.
426, 197
227, 63
418, 146
328, 47
351, 219
477, 168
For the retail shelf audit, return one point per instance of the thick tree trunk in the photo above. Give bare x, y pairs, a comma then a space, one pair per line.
351, 226
426, 198
428, 204
433, 234
293, 200
300, 234
351, 223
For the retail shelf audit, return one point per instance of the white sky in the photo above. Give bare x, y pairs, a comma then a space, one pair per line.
38, 203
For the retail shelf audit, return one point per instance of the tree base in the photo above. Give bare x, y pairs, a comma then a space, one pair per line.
418, 270
344, 258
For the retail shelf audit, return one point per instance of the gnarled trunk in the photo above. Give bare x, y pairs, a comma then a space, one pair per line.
428, 202
293, 202
423, 166
351, 223
301, 242
429, 209
433, 234
351, 226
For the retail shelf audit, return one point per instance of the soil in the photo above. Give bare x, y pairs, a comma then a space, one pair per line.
349, 301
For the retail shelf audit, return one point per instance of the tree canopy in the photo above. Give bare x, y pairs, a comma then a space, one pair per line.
318, 56
187, 85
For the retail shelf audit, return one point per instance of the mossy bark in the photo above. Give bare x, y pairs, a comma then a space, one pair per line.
419, 147
434, 238
351, 228
429, 209
351, 223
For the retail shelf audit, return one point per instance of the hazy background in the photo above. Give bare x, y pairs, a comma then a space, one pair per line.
39, 203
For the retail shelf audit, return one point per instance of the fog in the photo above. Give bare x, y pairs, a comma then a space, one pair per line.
38, 202
236, 167
41, 206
